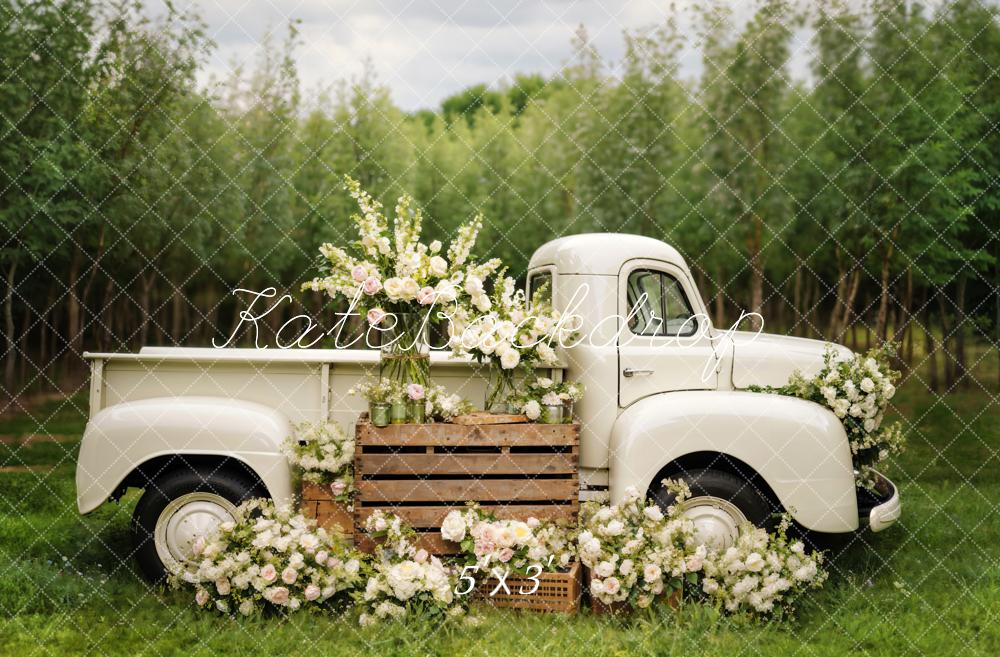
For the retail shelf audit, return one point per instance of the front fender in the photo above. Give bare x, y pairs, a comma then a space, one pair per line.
799, 448
122, 437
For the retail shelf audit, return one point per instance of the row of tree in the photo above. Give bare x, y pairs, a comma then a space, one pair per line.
859, 201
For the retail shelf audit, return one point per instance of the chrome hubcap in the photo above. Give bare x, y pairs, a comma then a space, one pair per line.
183, 521
717, 522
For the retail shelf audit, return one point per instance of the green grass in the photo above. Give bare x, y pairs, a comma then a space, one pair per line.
928, 586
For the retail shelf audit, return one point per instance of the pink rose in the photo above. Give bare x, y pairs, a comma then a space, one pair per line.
337, 488
201, 597
279, 595
359, 273
268, 573
420, 556
612, 585
426, 296
322, 556
484, 547
415, 391
222, 586
505, 554
289, 575
311, 592
375, 316
371, 286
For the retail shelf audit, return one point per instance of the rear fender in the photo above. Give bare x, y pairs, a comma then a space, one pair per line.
121, 438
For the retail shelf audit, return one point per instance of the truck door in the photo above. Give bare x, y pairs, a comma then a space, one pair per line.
666, 342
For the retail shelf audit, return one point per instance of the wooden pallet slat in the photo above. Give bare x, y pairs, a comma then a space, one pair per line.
422, 471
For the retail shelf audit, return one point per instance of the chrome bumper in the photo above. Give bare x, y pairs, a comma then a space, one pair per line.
881, 508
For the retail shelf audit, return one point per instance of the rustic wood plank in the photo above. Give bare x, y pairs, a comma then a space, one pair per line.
482, 417
430, 541
432, 516
461, 490
452, 435
442, 464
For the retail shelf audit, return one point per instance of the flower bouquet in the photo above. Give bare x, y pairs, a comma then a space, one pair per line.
405, 580
508, 334
762, 573
487, 542
325, 455
269, 558
441, 406
549, 402
395, 280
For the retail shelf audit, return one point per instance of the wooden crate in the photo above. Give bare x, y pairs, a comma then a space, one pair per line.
319, 503
557, 592
420, 472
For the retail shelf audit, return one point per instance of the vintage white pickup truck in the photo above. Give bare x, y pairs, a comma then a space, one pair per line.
200, 429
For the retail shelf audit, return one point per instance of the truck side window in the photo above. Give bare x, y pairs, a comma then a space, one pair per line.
537, 281
657, 305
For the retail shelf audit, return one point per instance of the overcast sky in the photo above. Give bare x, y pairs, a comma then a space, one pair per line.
423, 50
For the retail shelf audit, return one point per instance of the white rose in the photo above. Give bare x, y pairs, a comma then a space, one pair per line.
410, 288
754, 562
438, 266
394, 288
474, 286
651, 572
614, 528
653, 513
626, 567
453, 527
546, 353
867, 384
510, 359
532, 410
605, 569
446, 292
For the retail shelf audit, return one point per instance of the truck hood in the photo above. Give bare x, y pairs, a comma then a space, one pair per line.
769, 360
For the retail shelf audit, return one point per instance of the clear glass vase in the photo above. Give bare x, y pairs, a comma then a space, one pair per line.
499, 390
405, 356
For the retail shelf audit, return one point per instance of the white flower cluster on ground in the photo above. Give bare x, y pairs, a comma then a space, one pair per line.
487, 542
857, 390
325, 455
634, 551
405, 579
270, 557
762, 572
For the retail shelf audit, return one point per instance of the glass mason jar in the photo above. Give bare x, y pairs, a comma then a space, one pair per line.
568, 412
398, 412
379, 414
499, 389
552, 414
405, 355
417, 412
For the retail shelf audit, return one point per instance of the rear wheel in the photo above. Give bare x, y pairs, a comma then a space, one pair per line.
721, 505
182, 505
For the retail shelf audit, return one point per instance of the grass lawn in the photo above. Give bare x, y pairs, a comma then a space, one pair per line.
928, 586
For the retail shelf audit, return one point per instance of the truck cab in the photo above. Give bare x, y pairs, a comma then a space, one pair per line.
667, 396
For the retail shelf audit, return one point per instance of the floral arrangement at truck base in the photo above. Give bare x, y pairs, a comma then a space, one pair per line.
405, 579
635, 552
324, 454
487, 542
857, 390
763, 572
270, 558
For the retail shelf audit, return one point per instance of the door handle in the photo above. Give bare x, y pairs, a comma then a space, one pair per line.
629, 372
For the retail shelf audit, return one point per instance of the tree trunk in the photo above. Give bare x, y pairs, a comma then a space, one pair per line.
906, 321
756, 272
176, 317
145, 294
720, 306
797, 301
930, 350
958, 339
949, 369
74, 326
881, 320
8, 324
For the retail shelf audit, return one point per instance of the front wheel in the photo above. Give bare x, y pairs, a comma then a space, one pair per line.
721, 505
180, 506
